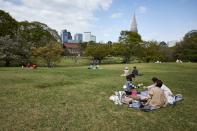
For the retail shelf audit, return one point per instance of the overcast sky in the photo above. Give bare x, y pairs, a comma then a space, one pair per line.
162, 20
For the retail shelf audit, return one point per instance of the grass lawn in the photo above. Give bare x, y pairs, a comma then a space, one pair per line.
75, 98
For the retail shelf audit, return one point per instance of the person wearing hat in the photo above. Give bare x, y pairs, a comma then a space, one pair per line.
126, 71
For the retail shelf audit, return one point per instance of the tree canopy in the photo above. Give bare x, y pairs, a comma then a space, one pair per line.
187, 48
50, 53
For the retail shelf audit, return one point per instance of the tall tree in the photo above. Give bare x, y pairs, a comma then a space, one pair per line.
133, 40
187, 48
8, 25
97, 51
121, 50
50, 54
152, 51
8, 50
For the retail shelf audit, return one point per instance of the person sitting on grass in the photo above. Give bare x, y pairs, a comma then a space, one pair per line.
135, 71
168, 93
126, 71
156, 97
154, 80
128, 86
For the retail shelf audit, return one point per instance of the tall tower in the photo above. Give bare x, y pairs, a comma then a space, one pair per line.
134, 25
65, 36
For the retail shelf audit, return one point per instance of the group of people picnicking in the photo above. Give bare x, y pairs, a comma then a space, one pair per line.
94, 65
153, 97
30, 66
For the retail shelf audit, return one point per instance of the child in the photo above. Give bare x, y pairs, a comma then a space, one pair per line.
129, 84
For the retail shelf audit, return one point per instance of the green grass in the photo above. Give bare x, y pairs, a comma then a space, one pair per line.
74, 61
75, 98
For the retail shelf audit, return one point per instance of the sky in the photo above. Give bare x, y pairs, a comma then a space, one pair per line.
161, 20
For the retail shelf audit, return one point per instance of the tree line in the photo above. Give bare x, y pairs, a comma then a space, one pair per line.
34, 42
131, 45
26, 42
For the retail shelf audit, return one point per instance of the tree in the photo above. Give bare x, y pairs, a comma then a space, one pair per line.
23, 50
97, 51
128, 37
152, 52
163, 43
8, 25
166, 52
18, 38
187, 48
133, 40
121, 50
34, 33
50, 53
8, 49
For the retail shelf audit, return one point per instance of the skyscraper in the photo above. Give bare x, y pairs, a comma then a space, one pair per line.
134, 25
93, 38
78, 38
87, 36
65, 36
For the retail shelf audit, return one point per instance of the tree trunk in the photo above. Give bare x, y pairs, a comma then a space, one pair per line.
49, 63
7, 63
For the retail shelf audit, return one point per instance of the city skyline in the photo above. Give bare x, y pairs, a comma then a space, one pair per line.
160, 20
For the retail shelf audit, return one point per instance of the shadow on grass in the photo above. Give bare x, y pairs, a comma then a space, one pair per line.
54, 84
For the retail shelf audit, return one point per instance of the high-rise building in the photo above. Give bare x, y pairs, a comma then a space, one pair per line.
65, 36
87, 36
134, 25
78, 38
93, 38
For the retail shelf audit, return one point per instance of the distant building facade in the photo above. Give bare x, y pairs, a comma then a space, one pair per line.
89, 37
78, 38
65, 36
93, 38
72, 48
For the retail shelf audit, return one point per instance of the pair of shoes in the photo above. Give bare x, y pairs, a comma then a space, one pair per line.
178, 97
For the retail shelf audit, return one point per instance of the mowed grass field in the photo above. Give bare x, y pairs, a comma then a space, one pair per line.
75, 98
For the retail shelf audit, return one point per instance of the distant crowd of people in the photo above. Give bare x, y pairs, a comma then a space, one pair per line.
94, 64
30, 66
179, 61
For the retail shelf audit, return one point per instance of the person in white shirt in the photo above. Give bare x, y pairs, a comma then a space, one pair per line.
126, 71
168, 93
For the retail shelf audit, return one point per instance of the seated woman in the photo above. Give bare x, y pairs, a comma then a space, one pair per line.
156, 97
126, 71
167, 91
